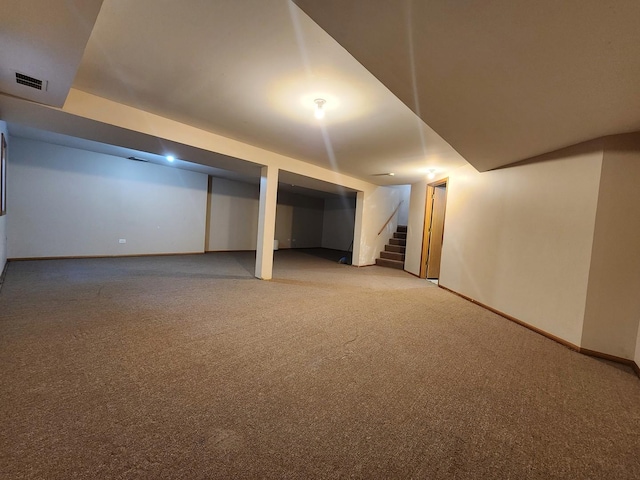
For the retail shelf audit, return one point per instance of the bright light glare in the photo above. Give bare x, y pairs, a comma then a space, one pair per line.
319, 112
294, 96
431, 172
170, 158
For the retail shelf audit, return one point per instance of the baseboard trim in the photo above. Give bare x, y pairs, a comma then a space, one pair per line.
83, 257
576, 348
611, 358
229, 251
516, 320
4, 273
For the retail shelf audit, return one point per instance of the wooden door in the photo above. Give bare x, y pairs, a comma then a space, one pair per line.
436, 231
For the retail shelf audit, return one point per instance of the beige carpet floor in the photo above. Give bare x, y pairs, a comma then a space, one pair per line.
188, 367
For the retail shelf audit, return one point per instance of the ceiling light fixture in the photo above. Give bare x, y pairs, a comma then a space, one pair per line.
319, 112
170, 158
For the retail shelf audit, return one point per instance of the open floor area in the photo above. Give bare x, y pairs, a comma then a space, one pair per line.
189, 367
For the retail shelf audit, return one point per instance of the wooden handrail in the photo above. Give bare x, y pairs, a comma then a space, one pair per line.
387, 222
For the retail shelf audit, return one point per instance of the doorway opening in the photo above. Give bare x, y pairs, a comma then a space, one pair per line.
433, 230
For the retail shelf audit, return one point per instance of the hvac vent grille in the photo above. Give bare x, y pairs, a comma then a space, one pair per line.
28, 81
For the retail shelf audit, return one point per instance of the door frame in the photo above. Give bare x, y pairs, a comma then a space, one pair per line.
426, 238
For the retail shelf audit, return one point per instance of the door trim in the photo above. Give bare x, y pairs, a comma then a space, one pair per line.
427, 222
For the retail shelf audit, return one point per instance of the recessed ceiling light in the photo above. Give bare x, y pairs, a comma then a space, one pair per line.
319, 112
170, 158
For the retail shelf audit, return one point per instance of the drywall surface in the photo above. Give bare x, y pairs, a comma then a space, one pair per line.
233, 215
405, 196
519, 239
377, 206
70, 202
613, 304
338, 223
299, 220
415, 227
105, 111
3, 218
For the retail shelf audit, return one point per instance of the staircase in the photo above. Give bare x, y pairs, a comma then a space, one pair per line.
393, 255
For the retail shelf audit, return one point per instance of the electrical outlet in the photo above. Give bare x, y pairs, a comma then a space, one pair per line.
122, 240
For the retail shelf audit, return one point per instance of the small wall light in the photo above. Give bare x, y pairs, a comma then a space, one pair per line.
432, 173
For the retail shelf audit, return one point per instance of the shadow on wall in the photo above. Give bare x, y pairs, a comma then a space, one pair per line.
232, 217
338, 222
299, 220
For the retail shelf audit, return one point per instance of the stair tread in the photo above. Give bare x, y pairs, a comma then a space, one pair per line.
397, 241
392, 255
385, 262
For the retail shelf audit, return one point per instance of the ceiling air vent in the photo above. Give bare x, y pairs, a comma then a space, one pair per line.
137, 159
28, 81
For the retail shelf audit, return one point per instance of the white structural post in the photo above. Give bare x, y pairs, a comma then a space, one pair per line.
266, 222
357, 230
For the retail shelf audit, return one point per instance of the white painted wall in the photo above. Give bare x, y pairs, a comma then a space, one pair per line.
376, 207
519, 239
299, 220
613, 305
311, 222
70, 202
339, 221
233, 215
90, 106
233, 218
404, 192
3, 218
415, 227
266, 222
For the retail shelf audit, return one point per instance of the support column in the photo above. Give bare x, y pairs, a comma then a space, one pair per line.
266, 222
357, 230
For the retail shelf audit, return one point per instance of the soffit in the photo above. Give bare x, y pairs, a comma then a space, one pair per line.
44, 39
501, 81
250, 71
